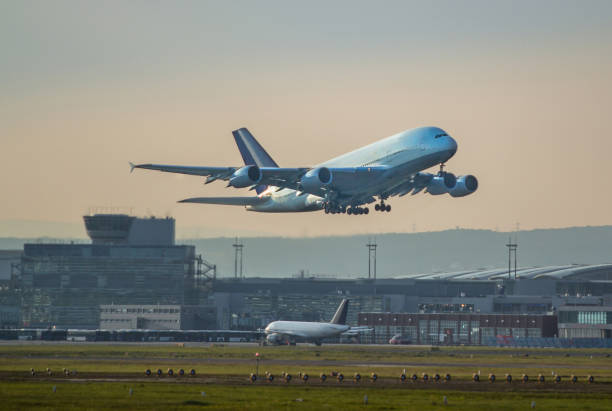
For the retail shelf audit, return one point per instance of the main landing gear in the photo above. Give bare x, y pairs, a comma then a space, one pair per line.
358, 210
331, 209
382, 207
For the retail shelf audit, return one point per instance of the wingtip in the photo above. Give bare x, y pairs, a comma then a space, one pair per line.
132, 166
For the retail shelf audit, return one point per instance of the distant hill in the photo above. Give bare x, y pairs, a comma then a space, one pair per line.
401, 253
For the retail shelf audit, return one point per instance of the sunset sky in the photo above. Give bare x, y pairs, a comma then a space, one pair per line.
86, 86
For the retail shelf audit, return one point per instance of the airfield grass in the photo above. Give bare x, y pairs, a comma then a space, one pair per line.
122, 369
106, 373
460, 362
361, 353
169, 396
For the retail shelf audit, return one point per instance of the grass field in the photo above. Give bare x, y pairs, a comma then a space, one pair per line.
106, 373
28, 395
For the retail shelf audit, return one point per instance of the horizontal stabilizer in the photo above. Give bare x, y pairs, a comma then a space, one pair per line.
237, 201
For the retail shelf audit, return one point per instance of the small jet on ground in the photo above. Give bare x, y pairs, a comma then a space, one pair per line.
389, 167
279, 332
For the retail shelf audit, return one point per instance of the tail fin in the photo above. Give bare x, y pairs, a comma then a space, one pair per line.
340, 316
252, 152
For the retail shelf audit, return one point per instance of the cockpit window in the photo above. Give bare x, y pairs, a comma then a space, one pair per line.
440, 135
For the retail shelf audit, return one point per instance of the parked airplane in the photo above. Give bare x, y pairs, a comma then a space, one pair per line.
278, 332
390, 167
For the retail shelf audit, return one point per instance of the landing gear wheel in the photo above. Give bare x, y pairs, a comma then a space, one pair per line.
349, 211
388, 209
366, 210
377, 207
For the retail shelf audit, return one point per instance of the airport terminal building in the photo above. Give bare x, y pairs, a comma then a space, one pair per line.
455, 328
129, 261
133, 276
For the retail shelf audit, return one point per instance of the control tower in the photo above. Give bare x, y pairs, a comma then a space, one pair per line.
122, 229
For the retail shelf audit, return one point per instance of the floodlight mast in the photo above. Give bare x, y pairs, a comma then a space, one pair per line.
371, 256
511, 249
238, 256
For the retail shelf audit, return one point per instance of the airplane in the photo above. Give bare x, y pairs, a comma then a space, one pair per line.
343, 185
278, 332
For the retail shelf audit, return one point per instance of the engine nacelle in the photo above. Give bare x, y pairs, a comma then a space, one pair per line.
315, 179
465, 185
245, 177
442, 184
274, 338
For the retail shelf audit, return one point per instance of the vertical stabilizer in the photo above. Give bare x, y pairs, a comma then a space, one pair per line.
340, 316
252, 152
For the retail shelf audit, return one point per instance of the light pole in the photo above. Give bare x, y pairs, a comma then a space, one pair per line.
257, 357
371, 254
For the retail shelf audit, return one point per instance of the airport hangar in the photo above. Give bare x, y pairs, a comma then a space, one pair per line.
133, 264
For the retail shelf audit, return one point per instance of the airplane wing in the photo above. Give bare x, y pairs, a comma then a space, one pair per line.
282, 177
214, 173
237, 201
344, 180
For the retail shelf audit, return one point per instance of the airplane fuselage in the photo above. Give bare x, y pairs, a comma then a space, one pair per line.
306, 330
390, 167
402, 155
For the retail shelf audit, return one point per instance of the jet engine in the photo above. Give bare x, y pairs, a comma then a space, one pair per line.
274, 338
316, 179
465, 185
442, 184
245, 177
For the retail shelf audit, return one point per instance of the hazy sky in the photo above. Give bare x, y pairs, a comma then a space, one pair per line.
86, 86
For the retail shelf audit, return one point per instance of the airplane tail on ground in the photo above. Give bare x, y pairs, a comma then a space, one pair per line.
253, 153
340, 316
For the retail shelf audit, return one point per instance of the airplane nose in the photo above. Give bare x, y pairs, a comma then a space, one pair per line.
452, 146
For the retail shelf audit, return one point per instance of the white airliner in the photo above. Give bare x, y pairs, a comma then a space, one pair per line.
279, 332
389, 167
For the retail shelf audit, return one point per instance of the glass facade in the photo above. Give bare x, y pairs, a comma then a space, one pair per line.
474, 329
585, 317
464, 335
475, 332
592, 317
